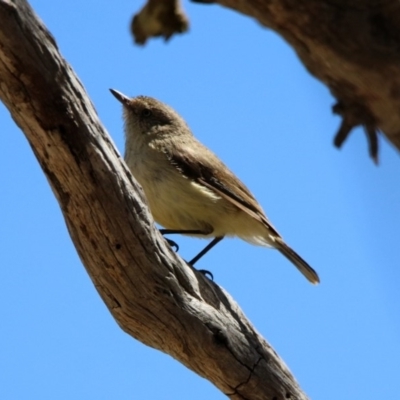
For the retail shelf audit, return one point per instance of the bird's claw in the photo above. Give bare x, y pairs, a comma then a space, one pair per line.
173, 244
206, 272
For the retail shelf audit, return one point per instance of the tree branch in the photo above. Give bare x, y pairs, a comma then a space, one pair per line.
153, 295
158, 18
351, 46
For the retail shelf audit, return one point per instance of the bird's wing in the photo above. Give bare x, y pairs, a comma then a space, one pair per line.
205, 168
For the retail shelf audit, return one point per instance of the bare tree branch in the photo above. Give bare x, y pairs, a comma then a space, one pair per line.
351, 46
153, 295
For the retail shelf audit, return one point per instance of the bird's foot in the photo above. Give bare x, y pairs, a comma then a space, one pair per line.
173, 244
206, 273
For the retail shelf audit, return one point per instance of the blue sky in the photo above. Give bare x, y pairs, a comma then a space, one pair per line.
245, 94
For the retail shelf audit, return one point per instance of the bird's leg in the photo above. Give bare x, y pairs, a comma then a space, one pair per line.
201, 254
180, 231
206, 249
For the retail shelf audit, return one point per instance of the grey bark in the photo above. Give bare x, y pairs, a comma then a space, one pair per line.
152, 294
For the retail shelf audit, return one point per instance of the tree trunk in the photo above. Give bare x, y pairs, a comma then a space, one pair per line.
152, 293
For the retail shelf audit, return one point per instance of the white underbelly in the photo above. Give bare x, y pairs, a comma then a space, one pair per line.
178, 203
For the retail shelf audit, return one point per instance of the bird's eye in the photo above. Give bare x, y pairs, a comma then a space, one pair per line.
146, 113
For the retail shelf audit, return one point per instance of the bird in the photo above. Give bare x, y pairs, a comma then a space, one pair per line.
190, 191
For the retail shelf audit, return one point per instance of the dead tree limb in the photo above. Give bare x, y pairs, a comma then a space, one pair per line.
353, 47
152, 294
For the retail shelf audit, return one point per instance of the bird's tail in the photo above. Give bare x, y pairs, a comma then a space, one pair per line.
301, 265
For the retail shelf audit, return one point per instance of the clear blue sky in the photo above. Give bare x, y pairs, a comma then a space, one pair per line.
245, 94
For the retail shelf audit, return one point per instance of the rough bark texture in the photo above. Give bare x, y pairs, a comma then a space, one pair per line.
353, 46
153, 295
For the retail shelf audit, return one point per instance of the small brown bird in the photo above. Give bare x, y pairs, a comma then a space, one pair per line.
189, 190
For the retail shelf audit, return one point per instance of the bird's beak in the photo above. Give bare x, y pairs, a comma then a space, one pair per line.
120, 97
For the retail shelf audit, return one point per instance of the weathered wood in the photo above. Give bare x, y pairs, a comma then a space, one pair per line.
153, 295
352, 46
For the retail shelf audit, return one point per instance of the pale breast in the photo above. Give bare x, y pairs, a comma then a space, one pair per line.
177, 202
